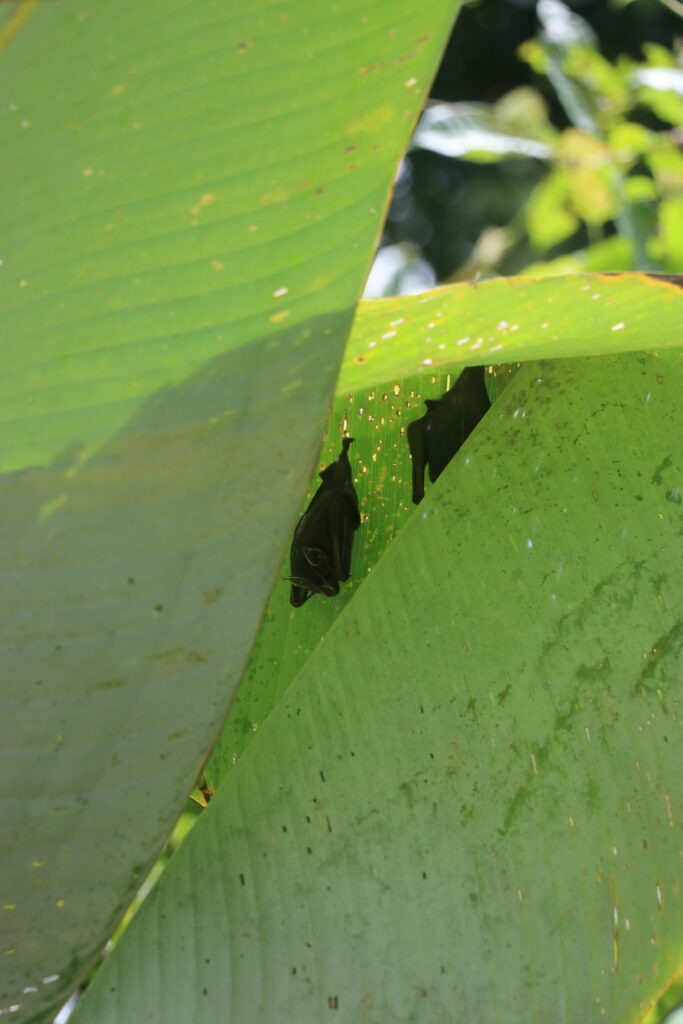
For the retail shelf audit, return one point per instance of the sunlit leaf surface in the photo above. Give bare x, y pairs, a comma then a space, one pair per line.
191, 196
509, 319
470, 795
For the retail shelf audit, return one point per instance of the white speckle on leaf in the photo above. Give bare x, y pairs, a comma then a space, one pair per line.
280, 292
669, 809
618, 327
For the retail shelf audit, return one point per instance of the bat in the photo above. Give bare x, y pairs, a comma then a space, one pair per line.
320, 555
435, 438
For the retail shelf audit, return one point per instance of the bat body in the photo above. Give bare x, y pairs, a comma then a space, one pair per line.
435, 438
320, 555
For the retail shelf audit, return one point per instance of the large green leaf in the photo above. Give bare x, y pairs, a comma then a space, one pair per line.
466, 807
191, 197
512, 318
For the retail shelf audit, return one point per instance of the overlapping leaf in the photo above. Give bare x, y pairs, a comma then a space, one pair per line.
191, 197
509, 319
466, 803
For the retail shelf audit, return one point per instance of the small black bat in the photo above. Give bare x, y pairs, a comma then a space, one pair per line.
321, 546
435, 438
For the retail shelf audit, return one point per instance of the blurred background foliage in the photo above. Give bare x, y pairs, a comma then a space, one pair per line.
552, 143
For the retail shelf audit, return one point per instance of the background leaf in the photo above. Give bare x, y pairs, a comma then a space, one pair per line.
191, 198
469, 796
475, 132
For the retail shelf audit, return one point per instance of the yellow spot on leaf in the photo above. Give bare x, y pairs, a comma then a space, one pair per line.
50, 507
373, 121
15, 22
206, 200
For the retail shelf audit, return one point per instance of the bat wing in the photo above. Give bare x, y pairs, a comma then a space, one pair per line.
436, 437
322, 545
344, 521
417, 442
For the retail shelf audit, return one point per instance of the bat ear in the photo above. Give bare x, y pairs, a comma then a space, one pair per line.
431, 403
340, 464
